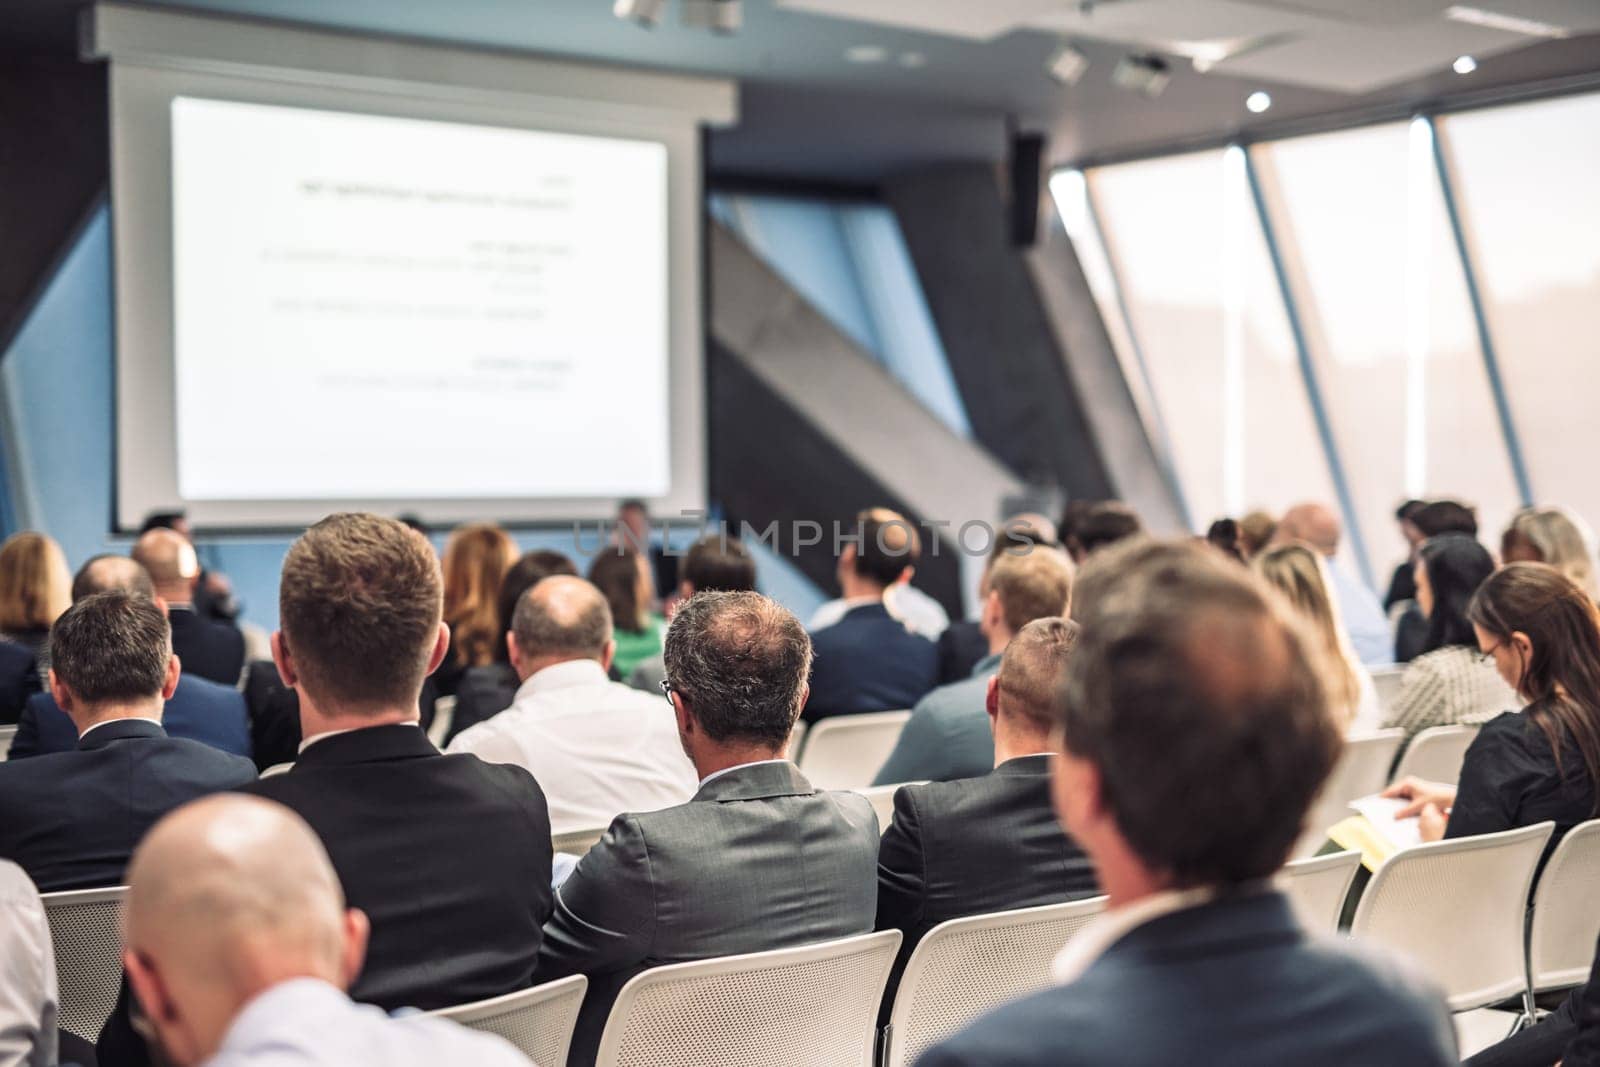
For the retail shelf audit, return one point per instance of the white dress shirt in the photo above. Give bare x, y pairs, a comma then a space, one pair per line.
305, 1022
597, 748
28, 1005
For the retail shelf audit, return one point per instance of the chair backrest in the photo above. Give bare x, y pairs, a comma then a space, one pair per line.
797, 740
1386, 681
1457, 908
812, 1006
7, 735
881, 797
1435, 754
962, 968
1566, 922
86, 929
846, 751
1363, 769
1317, 888
577, 842
539, 1021
444, 716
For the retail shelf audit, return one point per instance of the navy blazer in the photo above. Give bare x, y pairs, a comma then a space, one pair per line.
213, 650
199, 710
1236, 982
19, 678
72, 819
868, 661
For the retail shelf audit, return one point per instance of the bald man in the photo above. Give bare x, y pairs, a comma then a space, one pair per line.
210, 649
1318, 527
240, 949
597, 747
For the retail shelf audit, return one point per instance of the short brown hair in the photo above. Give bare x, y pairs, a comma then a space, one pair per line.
112, 647
359, 605
1204, 706
562, 615
889, 544
1035, 585
1033, 670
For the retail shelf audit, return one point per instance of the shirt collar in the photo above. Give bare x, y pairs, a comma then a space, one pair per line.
566, 675
126, 718
736, 767
314, 738
297, 998
1109, 927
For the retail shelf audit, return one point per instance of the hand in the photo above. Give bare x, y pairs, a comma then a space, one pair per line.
1421, 794
1431, 823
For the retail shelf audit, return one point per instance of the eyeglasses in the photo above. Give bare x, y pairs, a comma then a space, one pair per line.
666, 690
1483, 657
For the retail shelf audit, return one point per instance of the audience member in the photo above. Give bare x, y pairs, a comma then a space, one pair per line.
1448, 681
1402, 586
597, 747
633, 531
29, 1006
1584, 1048
34, 591
198, 710
948, 735
714, 564
1363, 617
448, 856
914, 609
623, 578
240, 950
1100, 524
963, 643
1550, 535
1439, 517
490, 689
73, 818
1433, 519
274, 713
1255, 532
476, 559
1301, 575
1194, 733
990, 842
757, 860
868, 660
213, 593
1223, 535
208, 649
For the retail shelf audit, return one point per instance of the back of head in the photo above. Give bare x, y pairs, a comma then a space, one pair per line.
164, 520
169, 559
889, 544
562, 617
476, 559
359, 605
1560, 543
1031, 584
1256, 530
1203, 705
619, 573
34, 582
740, 661
101, 574
1296, 571
1444, 517
1033, 674
1103, 524
527, 572
1223, 535
1315, 524
718, 564
110, 649
1456, 565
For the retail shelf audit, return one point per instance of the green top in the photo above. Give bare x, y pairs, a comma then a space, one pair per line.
636, 646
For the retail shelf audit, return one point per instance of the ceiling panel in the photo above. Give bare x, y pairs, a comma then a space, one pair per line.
1178, 20
978, 20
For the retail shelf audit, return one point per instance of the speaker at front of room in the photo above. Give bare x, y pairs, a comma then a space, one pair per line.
1027, 158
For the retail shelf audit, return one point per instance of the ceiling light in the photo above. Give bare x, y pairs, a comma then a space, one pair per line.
1258, 102
1067, 64
913, 60
1494, 20
1464, 65
646, 13
866, 53
1142, 74
718, 16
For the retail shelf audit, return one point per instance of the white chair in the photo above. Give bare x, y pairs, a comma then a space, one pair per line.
846, 751
539, 1021
86, 929
1435, 754
1386, 680
1363, 769
812, 1006
1457, 908
1565, 923
881, 797
797, 738
444, 714
962, 968
577, 842
7, 735
277, 769
1317, 888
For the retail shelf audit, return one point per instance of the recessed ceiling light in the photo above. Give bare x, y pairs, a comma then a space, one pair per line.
1258, 101
866, 53
913, 60
646, 13
1464, 65
1067, 63
1494, 20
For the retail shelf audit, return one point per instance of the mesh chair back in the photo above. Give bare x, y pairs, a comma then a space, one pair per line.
1317, 888
797, 740
444, 716
86, 929
1436, 753
577, 842
1386, 681
964, 967
845, 752
881, 797
1363, 769
7, 735
813, 1006
539, 1021
1424, 902
1566, 923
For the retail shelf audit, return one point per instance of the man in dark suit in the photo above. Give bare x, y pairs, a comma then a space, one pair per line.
213, 650
757, 860
72, 819
869, 660
987, 844
1196, 730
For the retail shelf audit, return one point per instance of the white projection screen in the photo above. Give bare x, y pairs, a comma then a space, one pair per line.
361, 273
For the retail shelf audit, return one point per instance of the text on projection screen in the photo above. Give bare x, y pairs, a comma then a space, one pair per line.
377, 307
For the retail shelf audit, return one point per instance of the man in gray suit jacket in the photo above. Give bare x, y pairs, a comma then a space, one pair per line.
756, 860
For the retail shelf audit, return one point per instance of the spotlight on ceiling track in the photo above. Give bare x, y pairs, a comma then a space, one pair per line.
718, 16
1067, 64
1142, 74
646, 13
1258, 102
1464, 65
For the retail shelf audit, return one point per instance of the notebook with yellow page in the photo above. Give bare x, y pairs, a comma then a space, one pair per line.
1375, 832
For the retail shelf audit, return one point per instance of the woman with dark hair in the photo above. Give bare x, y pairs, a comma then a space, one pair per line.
1448, 682
623, 577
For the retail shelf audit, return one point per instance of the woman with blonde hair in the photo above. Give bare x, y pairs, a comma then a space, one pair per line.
35, 588
1550, 535
1298, 572
476, 559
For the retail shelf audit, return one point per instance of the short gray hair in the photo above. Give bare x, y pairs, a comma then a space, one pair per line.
562, 615
741, 662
